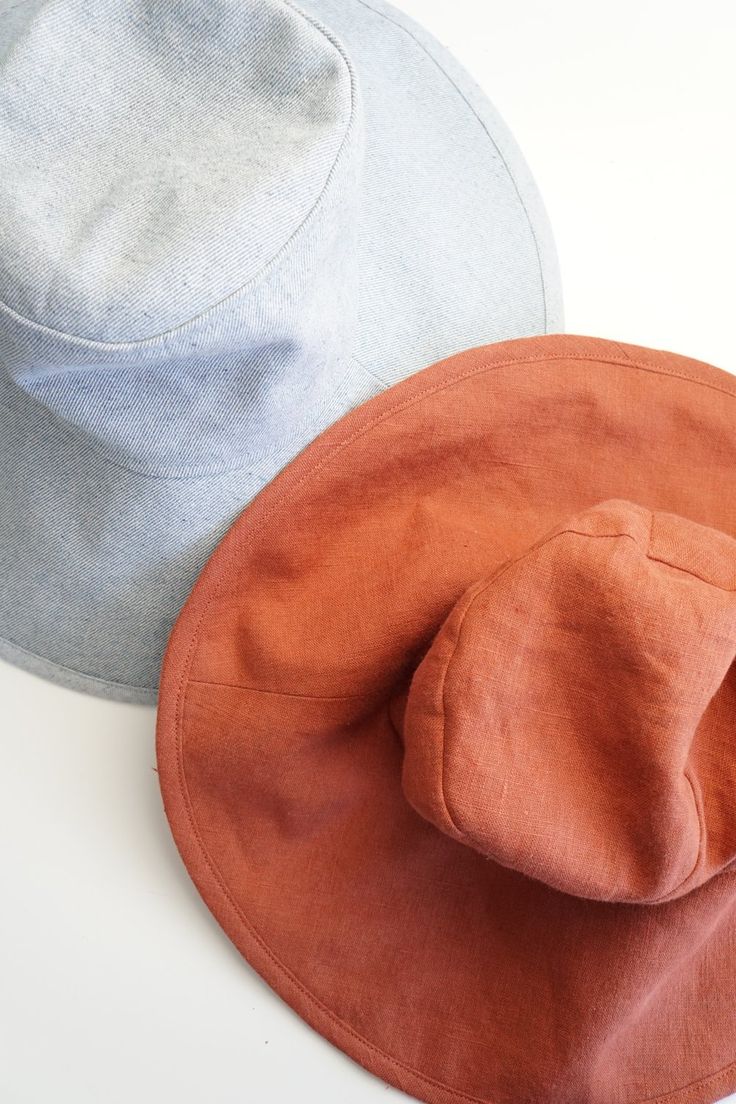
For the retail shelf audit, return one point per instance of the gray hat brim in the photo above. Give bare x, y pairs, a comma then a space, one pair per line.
455, 251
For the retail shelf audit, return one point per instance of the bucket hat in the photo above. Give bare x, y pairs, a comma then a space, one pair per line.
223, 224
445, 729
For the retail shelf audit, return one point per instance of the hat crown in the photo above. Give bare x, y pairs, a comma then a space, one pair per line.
192, 142
176, 205
572, 718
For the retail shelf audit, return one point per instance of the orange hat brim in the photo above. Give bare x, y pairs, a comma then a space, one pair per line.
279, 747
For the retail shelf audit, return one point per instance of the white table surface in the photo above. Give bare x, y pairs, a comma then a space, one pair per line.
116, 985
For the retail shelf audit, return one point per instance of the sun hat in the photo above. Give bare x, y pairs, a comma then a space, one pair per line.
222, 225
445, 731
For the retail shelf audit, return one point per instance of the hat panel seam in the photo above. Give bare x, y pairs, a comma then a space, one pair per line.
429, 391
458, 1094
504, 161
693, 574
649, 556
195, 472
426, 392
252, 283
677, 1095
450, 813
680, 1095
453, 817
281, 966
699, 812
695, 795
220, 572
73, 672
277, 693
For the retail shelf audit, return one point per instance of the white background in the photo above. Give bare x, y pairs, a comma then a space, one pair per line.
115, 983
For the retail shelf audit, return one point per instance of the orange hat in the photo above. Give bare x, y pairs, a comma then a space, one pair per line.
447, 729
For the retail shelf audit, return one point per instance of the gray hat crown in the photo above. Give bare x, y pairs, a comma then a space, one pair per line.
178, 218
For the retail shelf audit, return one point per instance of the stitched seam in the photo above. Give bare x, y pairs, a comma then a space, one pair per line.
193, 471
621, 349
693, 574
311, 998
537, 358
214, 871
90, 343
369, 372
466, 101
453, 818
687, 774
709, 1079
277, 693
218, 583
73, 672
654, 559
471, 602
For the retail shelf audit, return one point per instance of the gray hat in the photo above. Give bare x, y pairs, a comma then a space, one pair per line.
223, 224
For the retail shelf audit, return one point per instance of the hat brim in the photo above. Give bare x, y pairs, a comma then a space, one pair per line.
280, 753
455, 249
92, 584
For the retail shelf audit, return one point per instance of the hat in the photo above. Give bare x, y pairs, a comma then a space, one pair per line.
446, 727
222, 225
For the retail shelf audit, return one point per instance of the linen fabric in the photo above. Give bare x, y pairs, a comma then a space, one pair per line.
222, 226
445, 732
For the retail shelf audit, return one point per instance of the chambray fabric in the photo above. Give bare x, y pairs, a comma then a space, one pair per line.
222, 226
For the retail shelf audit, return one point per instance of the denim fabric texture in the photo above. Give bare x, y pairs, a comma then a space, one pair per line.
223, 225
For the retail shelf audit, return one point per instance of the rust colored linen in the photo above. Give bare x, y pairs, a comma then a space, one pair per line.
447, 729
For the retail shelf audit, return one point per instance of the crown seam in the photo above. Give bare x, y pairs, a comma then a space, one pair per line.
250, 285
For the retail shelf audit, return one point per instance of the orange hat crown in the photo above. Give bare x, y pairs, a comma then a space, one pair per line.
568, 718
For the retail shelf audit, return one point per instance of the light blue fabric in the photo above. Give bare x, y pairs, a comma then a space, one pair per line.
223, 224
